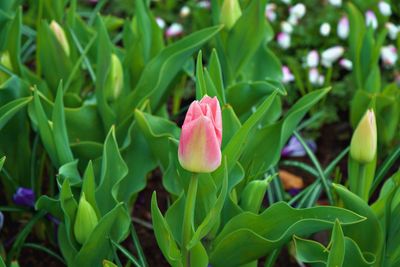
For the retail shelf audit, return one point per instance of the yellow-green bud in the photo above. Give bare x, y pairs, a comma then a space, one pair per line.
60, 35
85, 221
364, 140
6, 62
107, 263
230, 13
253, 195
115, 79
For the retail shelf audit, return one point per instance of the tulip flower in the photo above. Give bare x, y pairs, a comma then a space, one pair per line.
393, 30
287, 75
200, 142
184, 12
312, 59
283, 40
371, 20
24, 197
160, 22
230, 13
336, 3
60, 35
174, 30
85, 221
286, 27
346, 64
331, 55
343, 28
385, 8
389, 55
270, 12
364, 140
325, 29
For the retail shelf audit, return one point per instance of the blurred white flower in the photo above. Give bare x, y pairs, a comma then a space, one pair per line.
160, 22
346, 64
298, 10
287, 2
337, 3
185, 11
393, 30
389, 55
331, 55
343, 28
314, 77
312, 59
287, 76
204, 4
175, 29
286, 27
283, 40
293, 20
270, 13
385, 8
325, 29
371, 20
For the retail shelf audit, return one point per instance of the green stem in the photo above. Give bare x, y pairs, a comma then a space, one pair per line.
361, 192
188, 219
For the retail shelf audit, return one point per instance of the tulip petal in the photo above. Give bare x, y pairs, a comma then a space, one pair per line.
199, 148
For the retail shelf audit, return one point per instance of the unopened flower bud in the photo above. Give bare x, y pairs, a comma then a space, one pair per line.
6, 62
364, 141
230, 13
253, 195
60, 35
86, 220
115, 78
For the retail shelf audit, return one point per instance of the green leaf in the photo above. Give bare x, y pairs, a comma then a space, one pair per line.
216, 75
241, 242
310, 251
164, 237
69, 207
201, 89
115, 226
212, 217
89, 187
234, 148
161, 70
371, 242
60, 134
336, 254
10, 109
113, 170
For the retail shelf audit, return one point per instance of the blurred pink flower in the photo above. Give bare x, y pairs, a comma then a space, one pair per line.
389, 55
331, 55
287, 76
343, 28
312, 59
371, 20
283, 40
270, 13
346, 64
174, 30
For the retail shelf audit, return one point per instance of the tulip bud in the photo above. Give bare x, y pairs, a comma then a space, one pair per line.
230, 13
6, 62
284, 40
343, 28
364, 140
385, 8
200, 142
312, 59
325, 29
60, 35
389, 55
85, 221
287, 75
253, 195
330, 55
115, 78
371, 20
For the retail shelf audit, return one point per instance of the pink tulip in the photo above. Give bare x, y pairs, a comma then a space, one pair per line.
201, 137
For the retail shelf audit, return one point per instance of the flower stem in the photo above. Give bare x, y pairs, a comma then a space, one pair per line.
362, 193
188, 219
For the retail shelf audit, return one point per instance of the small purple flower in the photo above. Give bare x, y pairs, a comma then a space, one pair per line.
293, 191
295, 149
1, 220
24, 197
